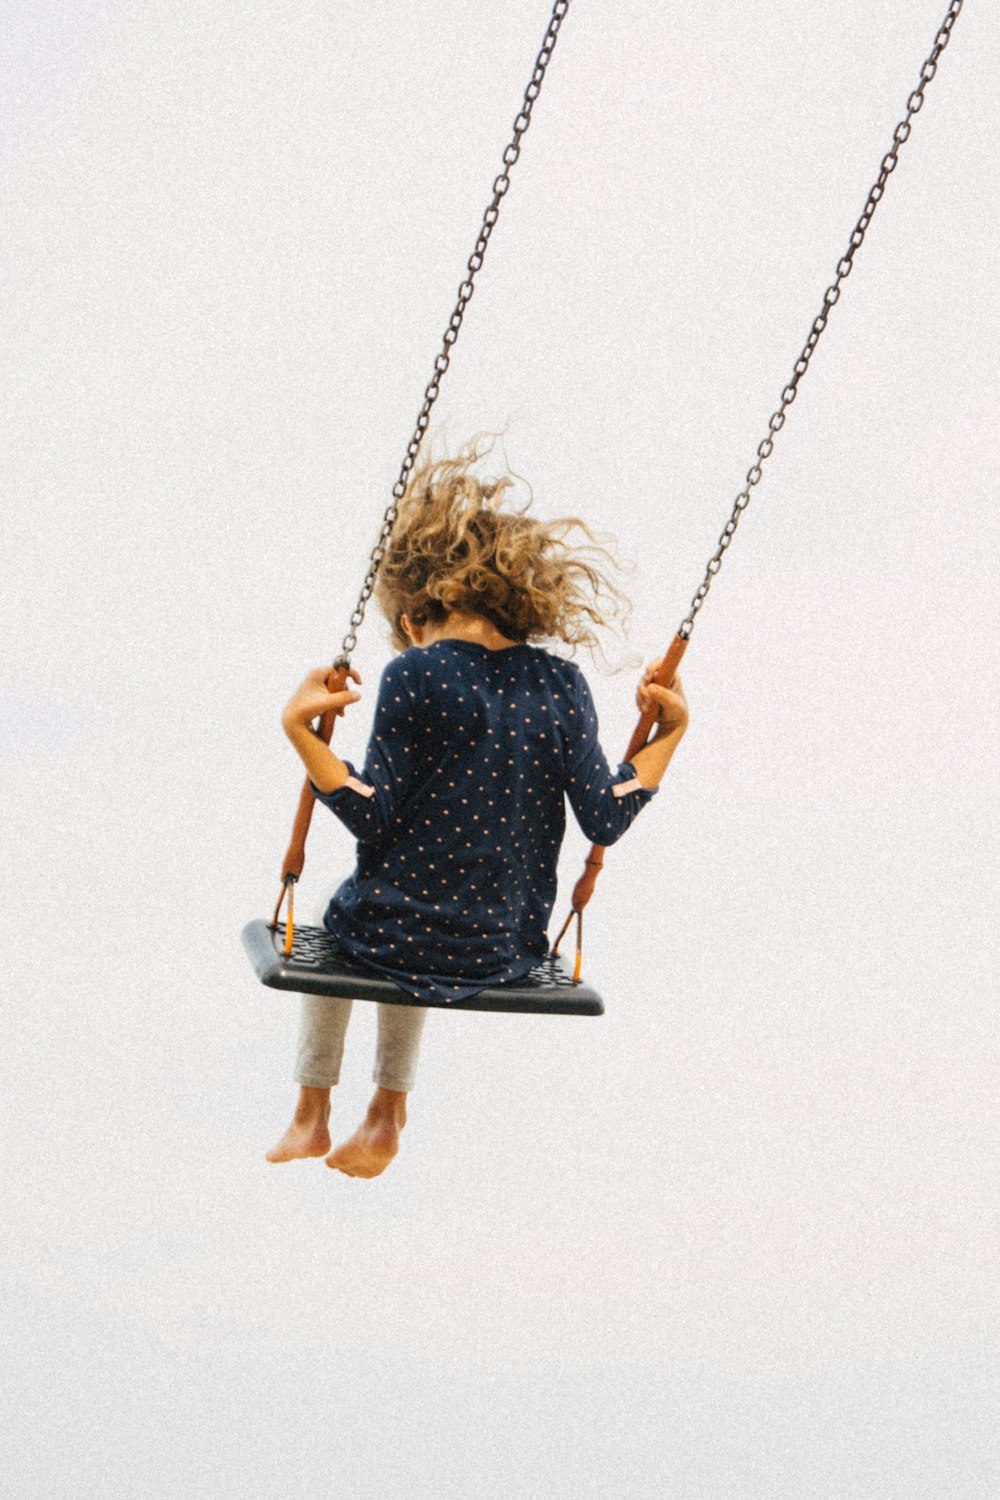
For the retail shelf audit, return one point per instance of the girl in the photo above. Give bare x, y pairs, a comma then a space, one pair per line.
459, 812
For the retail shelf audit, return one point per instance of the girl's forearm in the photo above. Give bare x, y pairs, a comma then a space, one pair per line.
653, 759
326, 770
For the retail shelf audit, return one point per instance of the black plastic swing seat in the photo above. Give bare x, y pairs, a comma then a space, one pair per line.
317, 965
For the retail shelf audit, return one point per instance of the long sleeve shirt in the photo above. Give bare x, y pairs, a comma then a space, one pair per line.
459, 814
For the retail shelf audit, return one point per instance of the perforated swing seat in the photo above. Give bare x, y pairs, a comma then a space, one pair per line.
318, 965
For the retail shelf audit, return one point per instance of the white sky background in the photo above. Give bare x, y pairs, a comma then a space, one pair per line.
739, 1237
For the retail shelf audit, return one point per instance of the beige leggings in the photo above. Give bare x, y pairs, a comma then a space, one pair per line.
323, 1027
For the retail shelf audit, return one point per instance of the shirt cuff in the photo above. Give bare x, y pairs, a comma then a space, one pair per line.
627, 786
342, 793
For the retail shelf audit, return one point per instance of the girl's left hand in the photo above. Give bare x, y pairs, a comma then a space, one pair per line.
312, 699
668, 704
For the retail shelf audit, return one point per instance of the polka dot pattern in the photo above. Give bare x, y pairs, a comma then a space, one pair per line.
472, 755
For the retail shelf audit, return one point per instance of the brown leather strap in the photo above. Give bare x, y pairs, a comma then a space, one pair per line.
295, 858
584, 888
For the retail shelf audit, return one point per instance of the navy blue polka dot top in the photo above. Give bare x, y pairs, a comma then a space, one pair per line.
459, 814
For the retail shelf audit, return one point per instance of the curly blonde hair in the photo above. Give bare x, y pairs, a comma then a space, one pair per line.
453, 548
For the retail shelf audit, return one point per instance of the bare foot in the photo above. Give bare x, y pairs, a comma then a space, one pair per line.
308, 1134
375, 1142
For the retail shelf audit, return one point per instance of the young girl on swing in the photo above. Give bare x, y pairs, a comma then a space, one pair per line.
459, 811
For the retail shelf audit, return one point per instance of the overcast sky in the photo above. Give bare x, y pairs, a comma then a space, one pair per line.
738, 1237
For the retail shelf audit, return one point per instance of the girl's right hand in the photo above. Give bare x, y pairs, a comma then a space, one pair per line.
668, 704
312, 699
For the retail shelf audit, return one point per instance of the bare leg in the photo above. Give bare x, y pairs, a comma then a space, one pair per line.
376, 1141
322, 1029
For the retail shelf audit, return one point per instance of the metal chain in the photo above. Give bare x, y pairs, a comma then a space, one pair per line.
831, 296
500, 185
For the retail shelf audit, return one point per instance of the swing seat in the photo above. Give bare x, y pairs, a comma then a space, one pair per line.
318, 965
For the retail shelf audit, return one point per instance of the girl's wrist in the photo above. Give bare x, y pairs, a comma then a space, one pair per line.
665, 731
295, 727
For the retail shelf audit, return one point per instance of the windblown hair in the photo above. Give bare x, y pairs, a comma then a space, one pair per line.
454, 548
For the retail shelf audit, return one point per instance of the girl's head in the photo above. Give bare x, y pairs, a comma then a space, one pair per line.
454, 548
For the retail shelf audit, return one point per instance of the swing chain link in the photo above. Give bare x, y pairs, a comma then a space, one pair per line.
830, 298
500, 185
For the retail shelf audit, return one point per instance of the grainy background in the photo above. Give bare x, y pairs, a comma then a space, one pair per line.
739, 1237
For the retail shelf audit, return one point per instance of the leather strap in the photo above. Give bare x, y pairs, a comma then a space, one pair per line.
295, 858
584, 888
